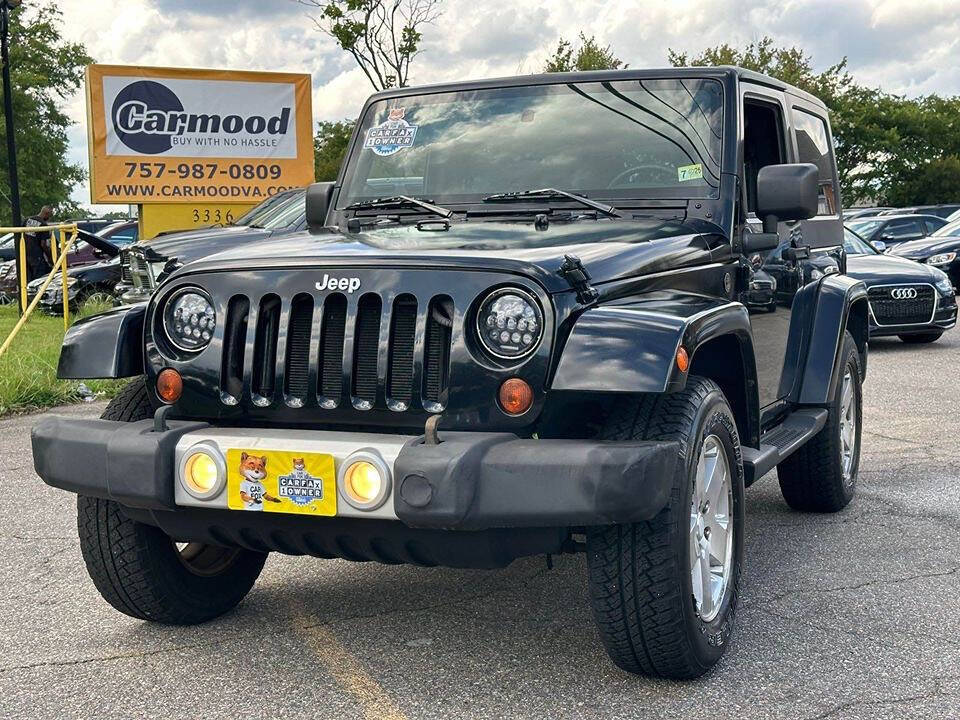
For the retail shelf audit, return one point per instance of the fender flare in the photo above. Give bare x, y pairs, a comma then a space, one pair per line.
106, 345
632, 348
841, 304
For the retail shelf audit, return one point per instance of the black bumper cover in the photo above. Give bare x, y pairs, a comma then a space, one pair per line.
469, 481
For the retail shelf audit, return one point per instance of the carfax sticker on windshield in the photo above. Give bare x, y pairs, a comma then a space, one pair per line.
690, 172
392, 135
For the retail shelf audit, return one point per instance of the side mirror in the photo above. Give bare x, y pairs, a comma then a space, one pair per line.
787, 192
879, 245
318, 200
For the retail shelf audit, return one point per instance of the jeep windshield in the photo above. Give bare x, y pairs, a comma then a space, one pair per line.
615, 141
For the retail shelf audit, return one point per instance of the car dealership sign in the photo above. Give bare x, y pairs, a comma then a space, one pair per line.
178, 135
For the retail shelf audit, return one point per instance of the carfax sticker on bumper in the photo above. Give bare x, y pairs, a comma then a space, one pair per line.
281, 482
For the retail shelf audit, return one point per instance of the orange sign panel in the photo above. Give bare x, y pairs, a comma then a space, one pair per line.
176, 135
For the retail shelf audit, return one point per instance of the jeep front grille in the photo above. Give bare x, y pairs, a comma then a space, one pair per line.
331, 357
889, 308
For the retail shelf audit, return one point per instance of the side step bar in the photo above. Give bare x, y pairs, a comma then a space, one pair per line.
778, 443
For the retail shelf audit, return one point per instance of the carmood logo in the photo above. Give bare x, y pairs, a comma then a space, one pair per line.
147, 117
131, 110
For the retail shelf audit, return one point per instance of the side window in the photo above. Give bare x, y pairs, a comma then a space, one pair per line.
813, 146
762, 143
932, 225
901, 230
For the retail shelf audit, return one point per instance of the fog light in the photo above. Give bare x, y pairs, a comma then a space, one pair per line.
203, 472
516, 396
169, 385
365, 480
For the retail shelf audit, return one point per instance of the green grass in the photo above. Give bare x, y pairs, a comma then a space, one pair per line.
28, 370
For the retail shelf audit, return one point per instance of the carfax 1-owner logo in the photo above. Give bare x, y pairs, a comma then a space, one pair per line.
392, 135
281, 482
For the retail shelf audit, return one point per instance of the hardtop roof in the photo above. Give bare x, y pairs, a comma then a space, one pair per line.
718, 72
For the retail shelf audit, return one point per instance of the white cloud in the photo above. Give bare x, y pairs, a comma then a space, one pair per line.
904, 46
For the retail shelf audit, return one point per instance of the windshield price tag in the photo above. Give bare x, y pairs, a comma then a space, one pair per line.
690, 172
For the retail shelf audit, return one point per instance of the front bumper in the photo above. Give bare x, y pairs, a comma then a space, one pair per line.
469, 481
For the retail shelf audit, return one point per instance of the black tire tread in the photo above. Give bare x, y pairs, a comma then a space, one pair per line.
634, 594
811, 479
134, 565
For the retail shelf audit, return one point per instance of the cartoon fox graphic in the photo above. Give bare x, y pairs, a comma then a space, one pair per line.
252, 491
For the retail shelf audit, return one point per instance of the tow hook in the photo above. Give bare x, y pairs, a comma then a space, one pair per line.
430, 436
576, 275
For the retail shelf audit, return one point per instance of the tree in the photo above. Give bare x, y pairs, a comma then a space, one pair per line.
329, 147
937, 181
886, 144
589, 56
383, 36
45, 71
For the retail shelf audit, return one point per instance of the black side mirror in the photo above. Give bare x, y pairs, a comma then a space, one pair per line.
787, 192
318, 200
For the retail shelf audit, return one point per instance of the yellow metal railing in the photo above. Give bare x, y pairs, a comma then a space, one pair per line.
67, 235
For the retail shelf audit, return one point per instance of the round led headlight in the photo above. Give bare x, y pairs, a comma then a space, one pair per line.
509, 323
189, 319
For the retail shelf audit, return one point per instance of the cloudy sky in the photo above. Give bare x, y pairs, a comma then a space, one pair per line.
903, 46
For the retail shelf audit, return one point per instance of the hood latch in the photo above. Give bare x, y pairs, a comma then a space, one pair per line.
578, 278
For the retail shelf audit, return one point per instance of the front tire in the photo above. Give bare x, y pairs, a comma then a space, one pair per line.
921, 338
140, 570
822, 475
664, 592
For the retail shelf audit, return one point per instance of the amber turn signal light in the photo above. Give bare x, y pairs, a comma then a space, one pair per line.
516, 396
683, 359
169, 385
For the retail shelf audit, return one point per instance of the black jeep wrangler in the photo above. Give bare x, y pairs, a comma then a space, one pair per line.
519, 323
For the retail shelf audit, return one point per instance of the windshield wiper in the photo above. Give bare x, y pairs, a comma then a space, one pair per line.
401, 201
548, 194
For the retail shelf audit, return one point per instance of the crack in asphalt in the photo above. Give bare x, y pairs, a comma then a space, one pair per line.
837, 710
105, 658
868, 583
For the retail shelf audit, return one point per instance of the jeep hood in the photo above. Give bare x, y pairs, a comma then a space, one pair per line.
609, 249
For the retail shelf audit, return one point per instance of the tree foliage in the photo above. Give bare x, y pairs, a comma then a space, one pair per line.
890, 149
45, 70
588, 56
329, 148
383, 36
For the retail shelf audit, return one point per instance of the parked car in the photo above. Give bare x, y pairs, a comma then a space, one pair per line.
89, 248
119, 232
853, 213
85, 284
887, 231
507, 369
910, 300
146, 263
940, 251
943, 211
8, 250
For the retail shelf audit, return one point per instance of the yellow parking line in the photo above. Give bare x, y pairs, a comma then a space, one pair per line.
349, 673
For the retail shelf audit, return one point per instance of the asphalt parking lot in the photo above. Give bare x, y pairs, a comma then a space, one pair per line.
845, 616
